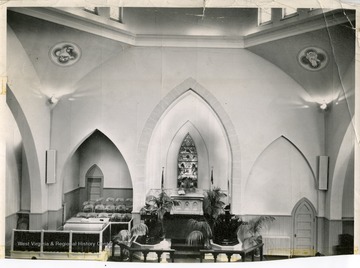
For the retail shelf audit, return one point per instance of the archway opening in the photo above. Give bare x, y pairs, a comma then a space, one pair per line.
189, 115
95, 170
144, 147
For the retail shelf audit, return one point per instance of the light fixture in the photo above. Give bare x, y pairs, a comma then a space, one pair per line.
323, 106
53, 100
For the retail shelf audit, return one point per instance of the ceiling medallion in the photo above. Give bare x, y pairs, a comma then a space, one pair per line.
313, 58
65, 53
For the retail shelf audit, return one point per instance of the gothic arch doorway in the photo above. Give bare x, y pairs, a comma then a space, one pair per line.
304, 229
94, 183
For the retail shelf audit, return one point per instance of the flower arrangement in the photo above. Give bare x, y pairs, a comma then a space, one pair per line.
187, 185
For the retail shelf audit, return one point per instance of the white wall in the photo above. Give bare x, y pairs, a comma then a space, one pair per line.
340, 137
119, 97
32, 114
71, 178
13, 163
99, 150
190, 114
279, 179
348, 194
25, 201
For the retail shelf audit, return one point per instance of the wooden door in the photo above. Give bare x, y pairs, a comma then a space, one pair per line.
304, 230
94, 188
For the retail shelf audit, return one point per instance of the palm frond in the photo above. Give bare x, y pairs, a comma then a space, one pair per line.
260, 222
162, 203
195, 238
201, 226
250, 231
213, 206
122, 236
139, 229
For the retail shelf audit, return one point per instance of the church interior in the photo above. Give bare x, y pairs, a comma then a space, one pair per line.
116, 104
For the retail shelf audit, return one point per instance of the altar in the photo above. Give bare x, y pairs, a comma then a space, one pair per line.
82, 224
187, 204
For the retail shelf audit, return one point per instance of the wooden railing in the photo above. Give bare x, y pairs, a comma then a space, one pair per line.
144, 251
41, 242
60, 241
200, 253
249, 251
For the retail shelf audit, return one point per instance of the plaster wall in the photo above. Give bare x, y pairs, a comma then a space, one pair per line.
14, 161
72, 174
280, 173
119, 97
25, 191
32, 114
348, 194
339, 142
99, 150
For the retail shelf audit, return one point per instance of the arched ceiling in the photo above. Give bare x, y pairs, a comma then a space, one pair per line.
339, 44
38, 36
99, 38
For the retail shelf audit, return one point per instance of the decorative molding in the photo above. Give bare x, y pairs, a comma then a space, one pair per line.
313, 58
101, 27
65, 54
309, 24
146, 40
79, 19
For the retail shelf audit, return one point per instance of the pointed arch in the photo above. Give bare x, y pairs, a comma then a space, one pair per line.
302, 201
84, 138
279, 173
187, 161
94, 171
172, 154
294, 146
334, 199
304, 228
82, 141
94, 183
304, 157
36, 188
229, 132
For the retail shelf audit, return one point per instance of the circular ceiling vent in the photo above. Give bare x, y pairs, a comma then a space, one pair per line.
313, 58
65, 53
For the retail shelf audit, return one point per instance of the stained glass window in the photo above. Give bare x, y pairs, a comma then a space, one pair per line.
187, 164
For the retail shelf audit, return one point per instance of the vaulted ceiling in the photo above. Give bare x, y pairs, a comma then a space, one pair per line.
279, 42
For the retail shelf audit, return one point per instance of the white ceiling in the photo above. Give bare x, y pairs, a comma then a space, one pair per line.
279, 42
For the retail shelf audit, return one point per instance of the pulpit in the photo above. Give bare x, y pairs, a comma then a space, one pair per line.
188, 204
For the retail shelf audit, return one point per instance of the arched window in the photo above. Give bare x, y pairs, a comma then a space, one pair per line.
187, 164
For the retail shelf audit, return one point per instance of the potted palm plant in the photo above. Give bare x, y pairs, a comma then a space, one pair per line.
249, 233
200, 233
213, 205
156, 209
225, 229
127, 237
140, 229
